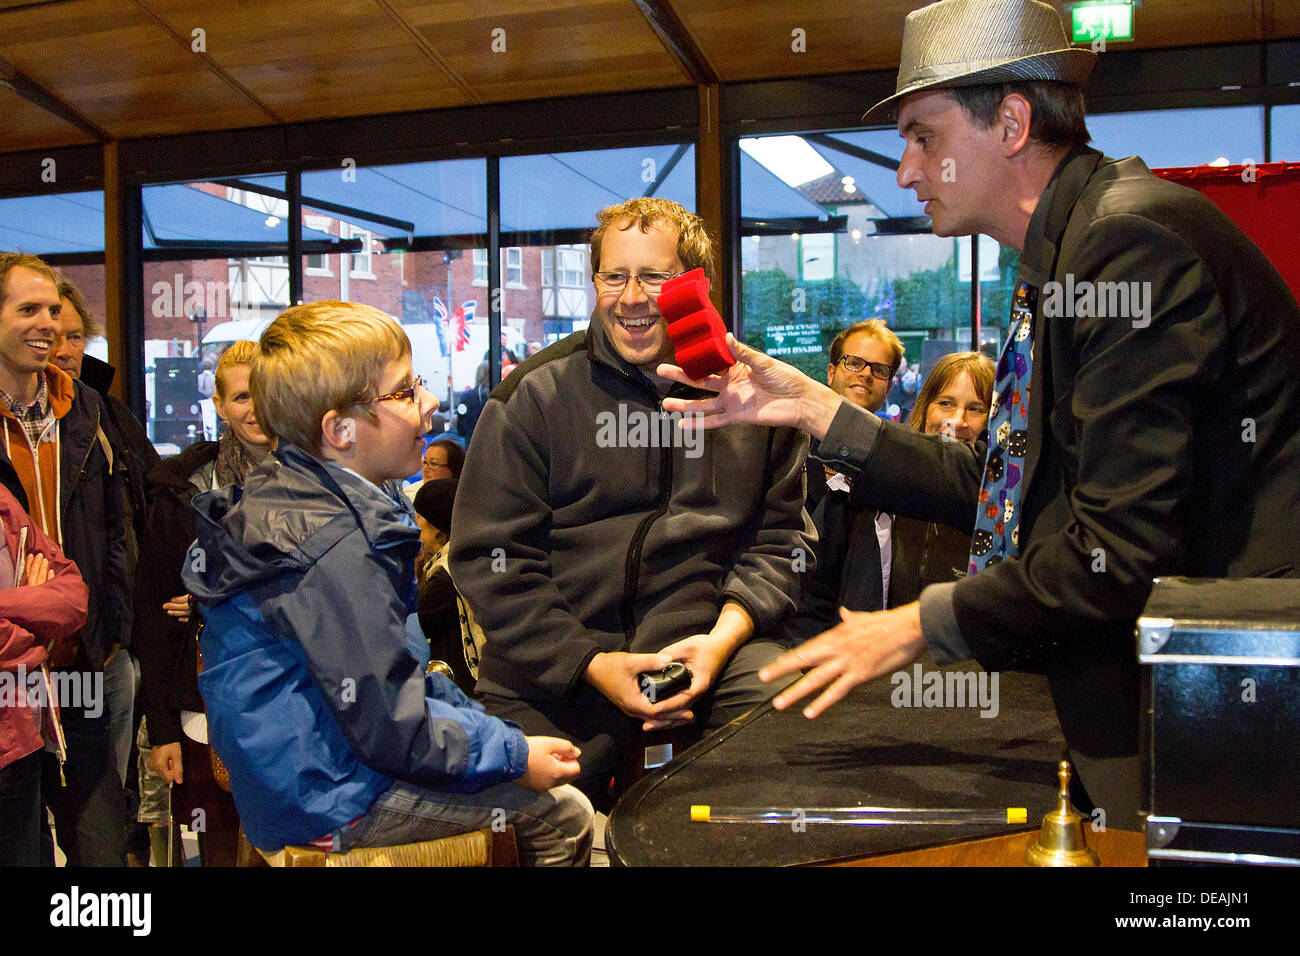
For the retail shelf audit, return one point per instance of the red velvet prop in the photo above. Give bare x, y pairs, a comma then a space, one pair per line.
1264, 200
699, 338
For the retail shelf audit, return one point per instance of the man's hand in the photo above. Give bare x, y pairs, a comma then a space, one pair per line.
165, 760
180, 607
551, 762
757, 390
36, 570
706, 655
616, 674
862, 646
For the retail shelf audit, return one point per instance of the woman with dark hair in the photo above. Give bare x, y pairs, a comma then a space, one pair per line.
954, 403
444, 458
447, 622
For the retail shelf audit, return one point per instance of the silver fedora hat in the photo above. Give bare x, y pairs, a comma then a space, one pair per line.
973, 42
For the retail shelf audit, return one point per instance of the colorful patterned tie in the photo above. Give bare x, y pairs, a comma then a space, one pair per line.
997, 522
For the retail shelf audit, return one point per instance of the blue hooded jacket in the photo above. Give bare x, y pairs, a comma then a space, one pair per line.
314, 701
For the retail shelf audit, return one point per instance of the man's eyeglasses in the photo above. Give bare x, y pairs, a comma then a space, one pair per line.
854, 364
650, 282
402, 394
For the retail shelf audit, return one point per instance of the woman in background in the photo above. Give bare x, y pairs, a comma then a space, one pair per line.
166, 630
954, 403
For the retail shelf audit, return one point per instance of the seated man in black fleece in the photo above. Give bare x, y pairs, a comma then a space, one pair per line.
596, 540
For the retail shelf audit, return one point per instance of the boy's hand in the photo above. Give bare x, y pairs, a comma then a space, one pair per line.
551, 762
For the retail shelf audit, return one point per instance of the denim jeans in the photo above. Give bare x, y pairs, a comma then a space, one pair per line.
552, 828
120, 683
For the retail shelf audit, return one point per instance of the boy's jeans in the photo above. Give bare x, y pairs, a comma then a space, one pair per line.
552, 828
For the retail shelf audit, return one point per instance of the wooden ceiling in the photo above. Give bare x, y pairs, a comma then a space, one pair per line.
92, 70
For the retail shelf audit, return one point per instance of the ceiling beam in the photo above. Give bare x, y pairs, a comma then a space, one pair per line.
27, 88
427, 49
677, 40
210, 63
849, 149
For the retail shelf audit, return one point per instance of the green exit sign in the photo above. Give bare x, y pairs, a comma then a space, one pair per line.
1102, 21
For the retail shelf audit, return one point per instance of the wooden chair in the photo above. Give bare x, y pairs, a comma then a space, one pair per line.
486, 847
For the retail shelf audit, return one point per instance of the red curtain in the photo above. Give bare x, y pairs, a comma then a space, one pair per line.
1263, 199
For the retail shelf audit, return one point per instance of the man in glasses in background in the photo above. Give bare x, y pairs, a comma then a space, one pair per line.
854, 551
864, 359
599, 543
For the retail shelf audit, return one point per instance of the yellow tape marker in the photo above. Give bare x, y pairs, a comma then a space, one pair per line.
1017, 815
700, 813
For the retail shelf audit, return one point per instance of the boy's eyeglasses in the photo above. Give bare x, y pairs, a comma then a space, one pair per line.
402, 394
650, 282
854, 364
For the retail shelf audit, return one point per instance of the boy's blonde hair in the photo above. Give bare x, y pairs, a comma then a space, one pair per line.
241, 352
320, 357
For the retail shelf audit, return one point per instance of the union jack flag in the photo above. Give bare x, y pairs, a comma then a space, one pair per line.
461, 317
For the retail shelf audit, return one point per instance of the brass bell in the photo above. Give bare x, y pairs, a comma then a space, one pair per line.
1061, 842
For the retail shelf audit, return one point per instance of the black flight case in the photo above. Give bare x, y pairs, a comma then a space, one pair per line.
1221, 721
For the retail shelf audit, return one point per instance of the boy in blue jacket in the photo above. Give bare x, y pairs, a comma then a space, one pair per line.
330, 729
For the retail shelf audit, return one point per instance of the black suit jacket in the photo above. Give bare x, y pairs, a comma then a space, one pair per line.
1163, 444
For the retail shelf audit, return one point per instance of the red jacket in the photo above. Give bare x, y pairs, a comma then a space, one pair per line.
31, 617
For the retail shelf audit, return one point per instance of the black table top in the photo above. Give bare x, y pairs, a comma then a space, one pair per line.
863, 752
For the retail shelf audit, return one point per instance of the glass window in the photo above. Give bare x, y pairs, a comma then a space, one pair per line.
214, 272
829, 240
404, 228
53, 224
549, 203
359, 262
1189, 137
65, 229
1285, 134
514, 269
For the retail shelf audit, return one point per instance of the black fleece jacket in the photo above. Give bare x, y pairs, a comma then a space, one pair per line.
577, 532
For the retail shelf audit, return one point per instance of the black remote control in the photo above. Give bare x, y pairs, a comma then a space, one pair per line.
662, 684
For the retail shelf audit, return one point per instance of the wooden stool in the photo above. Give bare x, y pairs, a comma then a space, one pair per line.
485, 847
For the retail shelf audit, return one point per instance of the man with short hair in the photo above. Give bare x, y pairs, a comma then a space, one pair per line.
854, 550
596, 545
55, 438
864, 358
136, 456
1125, 444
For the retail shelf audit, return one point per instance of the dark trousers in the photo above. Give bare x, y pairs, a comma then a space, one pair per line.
21, 813
604, 733
89, 811
200, 804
